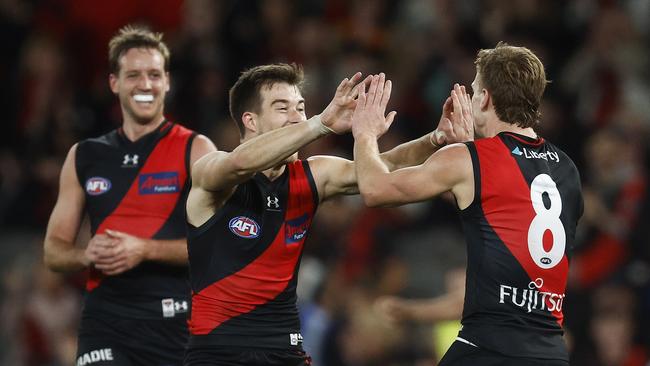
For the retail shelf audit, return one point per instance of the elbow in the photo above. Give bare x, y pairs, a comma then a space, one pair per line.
50, 262
372, 197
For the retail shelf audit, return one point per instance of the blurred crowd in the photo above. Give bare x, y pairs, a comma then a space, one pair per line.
597, 109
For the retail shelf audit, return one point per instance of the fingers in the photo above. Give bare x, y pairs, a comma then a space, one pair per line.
388, 88
372, 90
381, 83
390, 118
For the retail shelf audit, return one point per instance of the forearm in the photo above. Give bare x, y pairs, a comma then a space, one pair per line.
167, 251
410, 153
272, 148
369, 166
60, 256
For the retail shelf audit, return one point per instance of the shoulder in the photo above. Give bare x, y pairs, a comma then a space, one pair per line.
325, 162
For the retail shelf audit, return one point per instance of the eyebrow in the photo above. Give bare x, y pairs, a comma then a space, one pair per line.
285, 101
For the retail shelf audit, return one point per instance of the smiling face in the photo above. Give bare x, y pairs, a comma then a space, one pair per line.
141, 85
281, 104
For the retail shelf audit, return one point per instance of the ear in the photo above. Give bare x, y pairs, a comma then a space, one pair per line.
486, 99
249, 119
113, 82
169, 82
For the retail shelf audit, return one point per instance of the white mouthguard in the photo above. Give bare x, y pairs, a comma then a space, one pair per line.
143, 98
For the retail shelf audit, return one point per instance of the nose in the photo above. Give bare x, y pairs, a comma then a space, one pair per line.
295, 115
144, 82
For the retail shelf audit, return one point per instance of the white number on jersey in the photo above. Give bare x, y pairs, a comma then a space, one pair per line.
546, 219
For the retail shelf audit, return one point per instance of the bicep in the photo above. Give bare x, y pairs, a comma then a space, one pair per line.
216, 171
441, 172
65, 219
333, 176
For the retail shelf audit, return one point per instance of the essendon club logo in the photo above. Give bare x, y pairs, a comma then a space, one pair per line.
244, 227
295, 230
97, 185
157, 183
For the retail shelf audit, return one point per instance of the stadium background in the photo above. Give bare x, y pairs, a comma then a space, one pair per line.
597, 109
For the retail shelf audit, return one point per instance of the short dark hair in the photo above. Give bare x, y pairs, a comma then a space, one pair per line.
131, 36
516, 79
245, 94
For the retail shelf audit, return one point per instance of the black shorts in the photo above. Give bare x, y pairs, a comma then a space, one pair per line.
462, 354
131, 342
245, 357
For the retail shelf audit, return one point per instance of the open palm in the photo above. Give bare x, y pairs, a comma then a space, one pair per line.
338, 114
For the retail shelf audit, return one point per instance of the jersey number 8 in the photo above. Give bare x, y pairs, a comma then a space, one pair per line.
546, 219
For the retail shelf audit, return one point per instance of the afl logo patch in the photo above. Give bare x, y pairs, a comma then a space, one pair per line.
244, 227
97, 185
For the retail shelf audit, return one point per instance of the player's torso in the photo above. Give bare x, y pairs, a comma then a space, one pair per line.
244, 263
520, 231
138, 188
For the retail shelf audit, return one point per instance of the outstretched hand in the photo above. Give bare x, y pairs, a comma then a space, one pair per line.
369, 115
457, 121
337, 116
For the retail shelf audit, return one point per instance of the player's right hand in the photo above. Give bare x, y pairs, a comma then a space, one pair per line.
337, 116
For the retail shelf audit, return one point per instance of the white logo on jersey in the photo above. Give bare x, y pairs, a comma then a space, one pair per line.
529, 154
295, 338
93, 356
130, 160
531, 298
272, 202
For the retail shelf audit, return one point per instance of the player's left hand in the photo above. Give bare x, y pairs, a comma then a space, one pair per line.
128, 251
369, 115
457, 121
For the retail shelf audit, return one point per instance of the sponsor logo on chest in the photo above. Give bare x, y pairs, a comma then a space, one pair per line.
158, 183
296, 229
244, 227
531, 298
97, 185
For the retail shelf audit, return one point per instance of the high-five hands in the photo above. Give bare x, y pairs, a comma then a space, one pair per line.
337, 116
369, 115
457, 121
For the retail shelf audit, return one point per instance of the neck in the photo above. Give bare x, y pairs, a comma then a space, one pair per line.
133, 130
497, 126
274, 172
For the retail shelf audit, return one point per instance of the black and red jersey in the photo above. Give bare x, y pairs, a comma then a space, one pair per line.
139, 188
244, 263
520, 231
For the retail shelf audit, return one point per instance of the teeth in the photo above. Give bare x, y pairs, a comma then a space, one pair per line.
143, 98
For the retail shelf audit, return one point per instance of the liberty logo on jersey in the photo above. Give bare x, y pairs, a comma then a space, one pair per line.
97, 185
296, 229
157, 183
530, 154
244, 227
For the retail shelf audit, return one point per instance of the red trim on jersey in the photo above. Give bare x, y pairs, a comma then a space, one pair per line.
509, 211
143, 215
538, 141
263, 279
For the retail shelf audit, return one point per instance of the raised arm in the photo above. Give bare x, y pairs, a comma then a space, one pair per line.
449, 169
335, 176
215, 176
